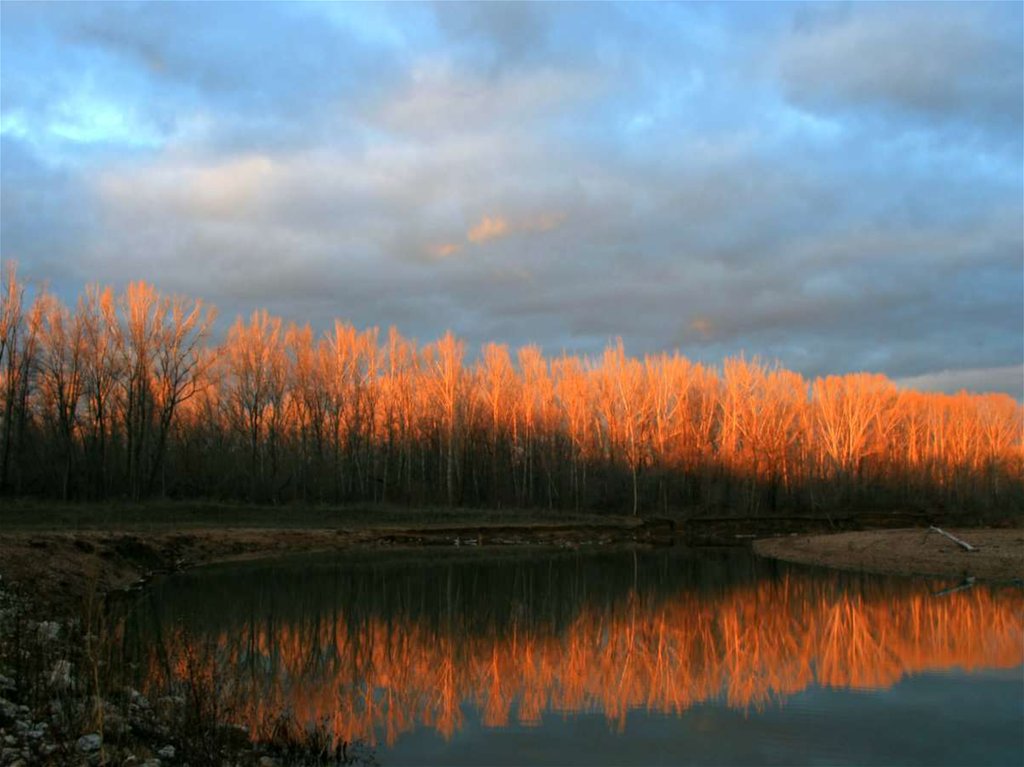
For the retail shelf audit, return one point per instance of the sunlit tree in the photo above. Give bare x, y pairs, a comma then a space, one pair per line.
127, 395
255, 358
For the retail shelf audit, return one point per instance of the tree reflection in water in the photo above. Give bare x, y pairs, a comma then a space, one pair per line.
370, 650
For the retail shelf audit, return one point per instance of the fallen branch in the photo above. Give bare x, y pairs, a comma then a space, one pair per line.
967, 583
964, 544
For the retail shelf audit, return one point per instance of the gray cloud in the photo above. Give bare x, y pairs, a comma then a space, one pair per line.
508, 32
1009, 378
958, 62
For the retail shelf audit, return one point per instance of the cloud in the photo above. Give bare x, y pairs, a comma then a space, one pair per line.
443, 250
437, 98
232, 187
543, 222
332, 233
497, 227
702, 327
509, 31
1008, 378
956, 62
488, 228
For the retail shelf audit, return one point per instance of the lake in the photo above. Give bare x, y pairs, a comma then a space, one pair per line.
534, 656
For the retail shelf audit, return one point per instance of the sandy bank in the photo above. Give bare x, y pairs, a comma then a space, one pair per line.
1000, 554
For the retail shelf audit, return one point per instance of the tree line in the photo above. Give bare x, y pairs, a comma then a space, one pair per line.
128, 396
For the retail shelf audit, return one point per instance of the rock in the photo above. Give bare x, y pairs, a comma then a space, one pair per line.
8, 711
152, 763
167, 752
267, 761
48, 630
60, 675
89, 743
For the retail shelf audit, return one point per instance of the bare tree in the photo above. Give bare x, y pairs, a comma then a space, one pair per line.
853, 416
447, 383
19, 340
102, 370
128, 395
255, 363
625, 405
62, 379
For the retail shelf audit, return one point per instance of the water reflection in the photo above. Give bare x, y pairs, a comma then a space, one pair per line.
372, 649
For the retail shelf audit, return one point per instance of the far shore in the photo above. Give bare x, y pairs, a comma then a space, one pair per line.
69, 557
916, 551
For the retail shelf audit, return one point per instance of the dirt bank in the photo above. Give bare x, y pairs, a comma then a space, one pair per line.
65, 570
1000, 554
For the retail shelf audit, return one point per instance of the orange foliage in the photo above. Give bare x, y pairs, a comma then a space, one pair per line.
128, 396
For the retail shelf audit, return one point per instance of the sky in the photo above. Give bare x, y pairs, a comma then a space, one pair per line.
835, 187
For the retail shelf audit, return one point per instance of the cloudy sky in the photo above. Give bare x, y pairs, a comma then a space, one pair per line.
836, 187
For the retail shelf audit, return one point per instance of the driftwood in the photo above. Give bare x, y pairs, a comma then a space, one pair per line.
967, 583
964, 544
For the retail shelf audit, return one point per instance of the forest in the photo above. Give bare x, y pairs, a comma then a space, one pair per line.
129, 396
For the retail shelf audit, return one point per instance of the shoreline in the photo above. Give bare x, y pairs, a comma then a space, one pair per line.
70, 567
66, 571
907, 552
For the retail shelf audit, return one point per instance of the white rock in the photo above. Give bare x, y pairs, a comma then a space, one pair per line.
89, 743
167, 752
48, 630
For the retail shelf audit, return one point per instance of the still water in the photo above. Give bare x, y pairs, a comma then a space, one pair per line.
671, 656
